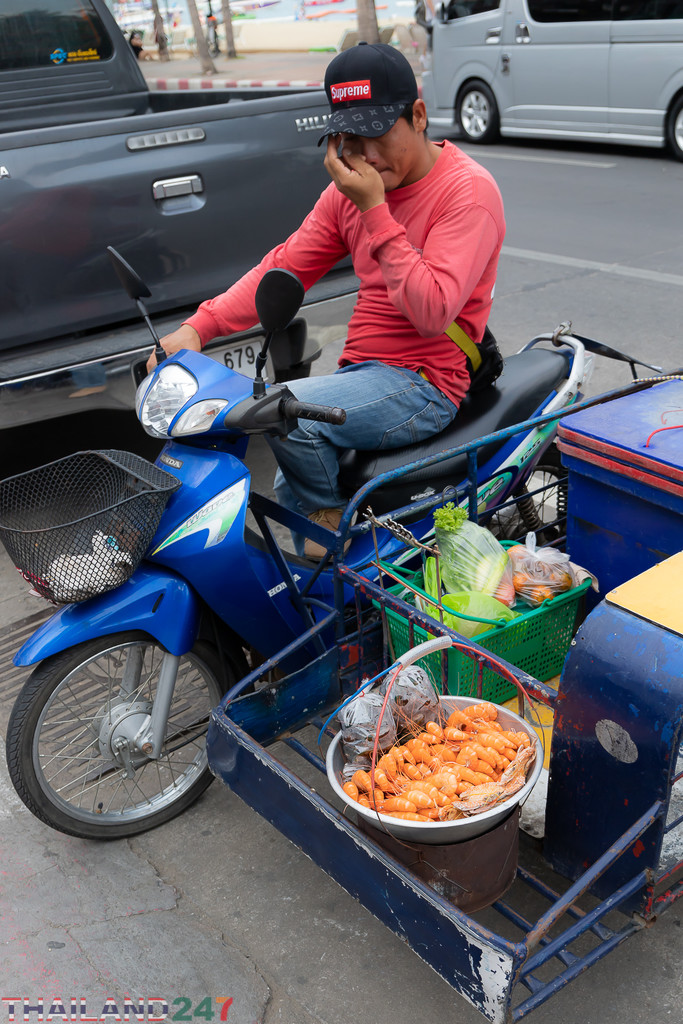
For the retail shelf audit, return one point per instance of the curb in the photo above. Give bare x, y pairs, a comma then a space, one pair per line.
229, 83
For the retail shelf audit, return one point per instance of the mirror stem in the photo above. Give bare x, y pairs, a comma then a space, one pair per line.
259, 388
159, 353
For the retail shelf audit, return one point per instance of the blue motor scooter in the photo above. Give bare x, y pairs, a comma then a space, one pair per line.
167, 611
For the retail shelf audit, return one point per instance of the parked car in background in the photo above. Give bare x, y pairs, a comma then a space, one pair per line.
183, 183
607, 70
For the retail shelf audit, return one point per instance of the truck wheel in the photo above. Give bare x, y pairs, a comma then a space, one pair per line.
61, 738
477, 113
674, 129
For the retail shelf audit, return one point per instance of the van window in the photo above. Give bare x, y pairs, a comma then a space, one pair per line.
51, 32
570, 10
647, 10
463, 8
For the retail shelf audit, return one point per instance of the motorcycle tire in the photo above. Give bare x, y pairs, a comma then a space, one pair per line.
66, 714
544, 513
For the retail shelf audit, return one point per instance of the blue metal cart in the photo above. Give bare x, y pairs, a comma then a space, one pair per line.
614, 818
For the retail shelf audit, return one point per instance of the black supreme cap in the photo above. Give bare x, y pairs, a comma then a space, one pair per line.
368, 87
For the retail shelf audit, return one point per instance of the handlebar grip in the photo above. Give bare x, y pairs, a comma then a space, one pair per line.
291, 407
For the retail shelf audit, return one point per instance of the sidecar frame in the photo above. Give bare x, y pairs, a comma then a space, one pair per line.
505, 971
484, 966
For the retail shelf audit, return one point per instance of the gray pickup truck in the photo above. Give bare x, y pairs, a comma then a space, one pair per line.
192, 188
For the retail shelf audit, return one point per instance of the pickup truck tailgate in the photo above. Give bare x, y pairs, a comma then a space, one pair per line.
191, 198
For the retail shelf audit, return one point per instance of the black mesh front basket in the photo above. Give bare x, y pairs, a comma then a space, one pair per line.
81, 525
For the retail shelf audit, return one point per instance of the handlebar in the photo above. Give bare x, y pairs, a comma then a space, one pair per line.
292, 408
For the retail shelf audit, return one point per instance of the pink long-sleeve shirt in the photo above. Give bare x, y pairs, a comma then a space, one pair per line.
425, 257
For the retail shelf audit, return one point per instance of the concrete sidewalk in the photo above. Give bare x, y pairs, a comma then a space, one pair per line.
300, 69
306, 68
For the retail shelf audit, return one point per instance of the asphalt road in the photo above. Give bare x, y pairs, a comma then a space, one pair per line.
217, 904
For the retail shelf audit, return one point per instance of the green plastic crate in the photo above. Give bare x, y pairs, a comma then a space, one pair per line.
537, 642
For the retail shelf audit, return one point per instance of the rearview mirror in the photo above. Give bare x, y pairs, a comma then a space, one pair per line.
131, 281
278, 297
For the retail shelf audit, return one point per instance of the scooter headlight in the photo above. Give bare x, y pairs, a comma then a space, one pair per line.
162, 401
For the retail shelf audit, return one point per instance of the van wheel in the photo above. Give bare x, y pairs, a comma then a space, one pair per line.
674, 129
477, 113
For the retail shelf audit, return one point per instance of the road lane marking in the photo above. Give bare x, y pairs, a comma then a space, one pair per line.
479, 155
659, 277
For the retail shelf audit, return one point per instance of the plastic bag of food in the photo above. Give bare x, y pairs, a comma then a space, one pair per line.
539, 574
471, 557
477, 606
484, 612
359, 720
413, 698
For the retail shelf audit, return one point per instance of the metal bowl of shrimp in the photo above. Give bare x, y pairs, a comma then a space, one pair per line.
470, 797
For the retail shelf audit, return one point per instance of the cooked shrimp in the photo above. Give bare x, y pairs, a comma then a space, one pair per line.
362, 781
399, 803
435, 729
387, 763
419, 798
484, 710
351, 790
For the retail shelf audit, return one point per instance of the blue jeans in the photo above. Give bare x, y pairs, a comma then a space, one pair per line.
386, 407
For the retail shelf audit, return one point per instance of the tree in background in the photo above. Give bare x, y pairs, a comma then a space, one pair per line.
160, 33
368, 29
208, 66
227, 25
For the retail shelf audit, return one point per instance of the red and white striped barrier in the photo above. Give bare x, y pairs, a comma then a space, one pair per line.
229, 83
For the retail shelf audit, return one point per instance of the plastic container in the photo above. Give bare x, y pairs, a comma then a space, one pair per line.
440, 833
625, 498
536, 641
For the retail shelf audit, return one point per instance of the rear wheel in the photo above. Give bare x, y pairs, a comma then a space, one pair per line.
64, 737
674, 129
540, 504
477, 113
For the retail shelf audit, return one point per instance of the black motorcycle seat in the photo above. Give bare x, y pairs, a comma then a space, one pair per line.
526, 382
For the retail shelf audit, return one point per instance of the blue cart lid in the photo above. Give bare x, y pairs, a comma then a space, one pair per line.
626, 435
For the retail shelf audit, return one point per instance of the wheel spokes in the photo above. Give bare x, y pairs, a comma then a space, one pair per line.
82, 716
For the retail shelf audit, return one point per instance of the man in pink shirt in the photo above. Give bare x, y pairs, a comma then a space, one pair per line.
424, 226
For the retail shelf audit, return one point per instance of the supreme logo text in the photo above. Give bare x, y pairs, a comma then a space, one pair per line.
351, 91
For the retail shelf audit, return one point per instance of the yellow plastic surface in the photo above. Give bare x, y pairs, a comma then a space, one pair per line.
544, 727
656, 595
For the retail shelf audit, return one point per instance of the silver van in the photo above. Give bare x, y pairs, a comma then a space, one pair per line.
607, 70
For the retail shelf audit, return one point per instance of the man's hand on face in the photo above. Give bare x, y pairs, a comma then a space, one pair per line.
354, 176
184, 337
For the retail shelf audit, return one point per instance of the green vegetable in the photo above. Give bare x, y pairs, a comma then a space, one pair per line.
471, 557
489, 572
449, 517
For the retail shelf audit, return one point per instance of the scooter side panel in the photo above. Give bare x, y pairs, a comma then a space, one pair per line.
201, 536
152, 601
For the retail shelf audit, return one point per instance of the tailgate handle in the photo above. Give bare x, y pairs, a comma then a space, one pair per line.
177, 186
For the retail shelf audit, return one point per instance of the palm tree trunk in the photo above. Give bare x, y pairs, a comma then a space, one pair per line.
227, 25
368, 30
160, 32
208, 66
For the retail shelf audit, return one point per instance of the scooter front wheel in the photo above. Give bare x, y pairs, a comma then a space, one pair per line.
63, 754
